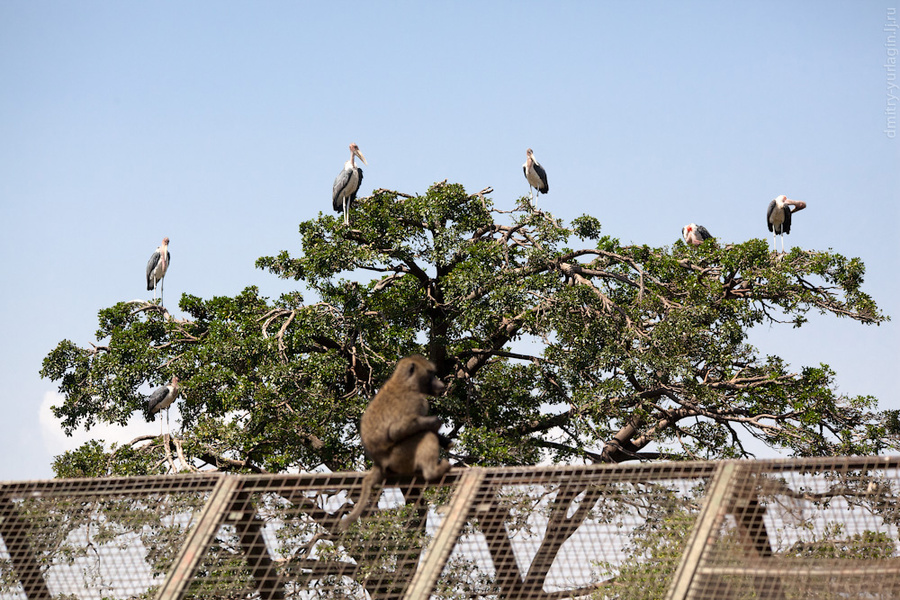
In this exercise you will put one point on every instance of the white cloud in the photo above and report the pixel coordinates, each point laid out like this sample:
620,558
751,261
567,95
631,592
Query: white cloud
56,441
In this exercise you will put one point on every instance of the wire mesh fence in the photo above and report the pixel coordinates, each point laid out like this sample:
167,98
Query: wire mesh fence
821,528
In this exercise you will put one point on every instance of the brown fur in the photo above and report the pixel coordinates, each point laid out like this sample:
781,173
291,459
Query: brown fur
397,432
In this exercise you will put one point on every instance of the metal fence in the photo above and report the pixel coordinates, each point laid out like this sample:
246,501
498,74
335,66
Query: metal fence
818,528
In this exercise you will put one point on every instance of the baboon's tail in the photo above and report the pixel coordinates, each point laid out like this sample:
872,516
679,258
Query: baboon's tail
373,477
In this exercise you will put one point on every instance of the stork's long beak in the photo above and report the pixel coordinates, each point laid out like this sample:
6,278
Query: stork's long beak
361,157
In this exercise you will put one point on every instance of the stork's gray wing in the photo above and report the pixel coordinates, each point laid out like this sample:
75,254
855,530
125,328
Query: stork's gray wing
151,265
155,399
703,232
358,184
769,212
340,184
543,176
786,226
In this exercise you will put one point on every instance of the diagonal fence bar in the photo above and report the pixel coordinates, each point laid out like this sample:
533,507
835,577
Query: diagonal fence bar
16,533
188,560
710,515
460,505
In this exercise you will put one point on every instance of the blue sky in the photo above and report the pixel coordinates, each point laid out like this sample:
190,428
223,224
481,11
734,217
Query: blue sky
222,125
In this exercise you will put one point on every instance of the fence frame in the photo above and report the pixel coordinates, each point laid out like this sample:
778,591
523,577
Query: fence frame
730,491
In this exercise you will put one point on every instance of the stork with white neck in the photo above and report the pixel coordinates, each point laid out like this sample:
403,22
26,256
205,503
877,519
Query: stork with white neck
535,174
157,267
347,183
162,398
778,218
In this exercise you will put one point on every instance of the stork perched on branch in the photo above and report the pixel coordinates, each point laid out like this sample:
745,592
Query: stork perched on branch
778,218
347,183
535,174
694,234
157,267
162,398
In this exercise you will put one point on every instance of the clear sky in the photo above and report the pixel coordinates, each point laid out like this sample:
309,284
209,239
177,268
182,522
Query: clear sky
223,124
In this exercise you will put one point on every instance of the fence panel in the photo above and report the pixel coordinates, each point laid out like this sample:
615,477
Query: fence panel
95,538
824,528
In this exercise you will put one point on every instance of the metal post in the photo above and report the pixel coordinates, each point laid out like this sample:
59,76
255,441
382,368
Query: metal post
198,539
713,508
448,533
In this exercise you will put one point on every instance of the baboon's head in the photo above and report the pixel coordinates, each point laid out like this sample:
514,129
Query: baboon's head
420,375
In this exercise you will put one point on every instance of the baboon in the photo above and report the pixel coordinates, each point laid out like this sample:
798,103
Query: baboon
397,432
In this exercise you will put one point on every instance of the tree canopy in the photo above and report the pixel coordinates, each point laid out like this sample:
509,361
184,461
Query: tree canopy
557,344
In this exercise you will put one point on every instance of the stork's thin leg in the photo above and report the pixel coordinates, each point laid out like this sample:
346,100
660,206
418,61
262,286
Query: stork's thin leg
162,290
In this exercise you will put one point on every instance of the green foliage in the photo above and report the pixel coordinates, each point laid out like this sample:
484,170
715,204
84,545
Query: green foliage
555,342
867,545
90,460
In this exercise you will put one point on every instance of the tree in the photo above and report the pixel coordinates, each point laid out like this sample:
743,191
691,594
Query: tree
594,351
556,343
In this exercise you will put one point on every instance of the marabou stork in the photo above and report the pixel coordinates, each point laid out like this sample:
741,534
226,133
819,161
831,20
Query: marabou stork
778,218
347,183
162,398
535,174
694,234
157,267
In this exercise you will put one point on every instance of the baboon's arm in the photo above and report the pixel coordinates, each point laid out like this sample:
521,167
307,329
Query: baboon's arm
408,427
